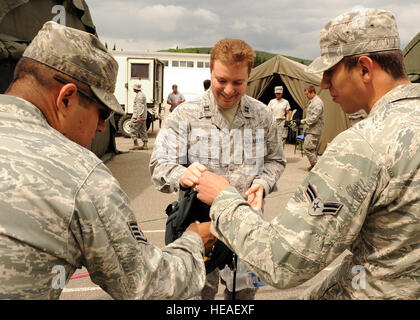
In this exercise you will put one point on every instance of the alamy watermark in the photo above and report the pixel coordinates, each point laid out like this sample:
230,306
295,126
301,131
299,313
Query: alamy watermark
359,280
60,15
58,281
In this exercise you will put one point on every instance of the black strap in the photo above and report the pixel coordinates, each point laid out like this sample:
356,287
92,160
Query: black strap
235,268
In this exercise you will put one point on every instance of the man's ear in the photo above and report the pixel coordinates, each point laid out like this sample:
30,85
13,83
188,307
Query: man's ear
365,65
66,99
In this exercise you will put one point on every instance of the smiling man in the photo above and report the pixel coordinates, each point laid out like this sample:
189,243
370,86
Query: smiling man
226,132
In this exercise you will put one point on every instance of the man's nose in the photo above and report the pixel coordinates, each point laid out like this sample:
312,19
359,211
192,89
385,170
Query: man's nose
229,89
325,82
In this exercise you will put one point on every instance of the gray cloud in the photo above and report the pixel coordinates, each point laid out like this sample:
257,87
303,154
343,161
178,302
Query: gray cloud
285,27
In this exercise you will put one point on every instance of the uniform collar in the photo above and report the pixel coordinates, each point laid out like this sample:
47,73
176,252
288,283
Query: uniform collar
22,107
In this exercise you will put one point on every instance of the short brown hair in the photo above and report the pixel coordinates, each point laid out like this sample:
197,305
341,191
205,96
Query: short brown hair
231,51
310,89
44,76
392,62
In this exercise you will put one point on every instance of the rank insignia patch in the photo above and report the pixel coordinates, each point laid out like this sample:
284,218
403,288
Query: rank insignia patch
136,232
317,207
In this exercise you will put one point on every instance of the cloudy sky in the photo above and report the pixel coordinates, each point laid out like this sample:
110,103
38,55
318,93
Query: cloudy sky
288,27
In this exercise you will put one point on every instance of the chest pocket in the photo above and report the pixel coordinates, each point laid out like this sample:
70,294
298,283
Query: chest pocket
221,149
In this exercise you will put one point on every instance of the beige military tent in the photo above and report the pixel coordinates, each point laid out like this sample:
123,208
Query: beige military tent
412,58
20,21
291,75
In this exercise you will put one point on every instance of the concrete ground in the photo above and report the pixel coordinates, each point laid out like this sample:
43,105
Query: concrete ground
131,170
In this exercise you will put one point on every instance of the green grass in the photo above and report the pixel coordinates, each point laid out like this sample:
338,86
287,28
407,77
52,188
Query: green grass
260,56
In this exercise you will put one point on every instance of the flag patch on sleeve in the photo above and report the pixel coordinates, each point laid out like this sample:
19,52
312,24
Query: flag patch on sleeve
318,207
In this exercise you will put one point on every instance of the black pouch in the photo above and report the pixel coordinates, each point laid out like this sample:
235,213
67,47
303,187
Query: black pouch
186,211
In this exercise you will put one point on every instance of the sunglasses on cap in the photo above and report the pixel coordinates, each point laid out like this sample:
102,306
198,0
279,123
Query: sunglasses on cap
104,113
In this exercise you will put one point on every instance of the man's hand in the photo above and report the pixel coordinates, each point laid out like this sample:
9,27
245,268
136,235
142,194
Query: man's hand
138,120
203,230
191,175
209,186
255,196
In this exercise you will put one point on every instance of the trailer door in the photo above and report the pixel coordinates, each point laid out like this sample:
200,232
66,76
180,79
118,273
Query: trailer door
139,70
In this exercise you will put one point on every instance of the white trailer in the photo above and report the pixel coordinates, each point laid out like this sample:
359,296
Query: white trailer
138,68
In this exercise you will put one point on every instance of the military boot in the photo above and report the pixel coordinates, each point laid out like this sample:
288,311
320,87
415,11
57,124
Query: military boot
135,146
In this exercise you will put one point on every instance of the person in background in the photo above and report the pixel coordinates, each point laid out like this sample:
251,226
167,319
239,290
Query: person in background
313,125
138,119
281,110
175,98
206,84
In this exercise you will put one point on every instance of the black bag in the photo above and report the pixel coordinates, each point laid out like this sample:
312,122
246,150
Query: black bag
186,211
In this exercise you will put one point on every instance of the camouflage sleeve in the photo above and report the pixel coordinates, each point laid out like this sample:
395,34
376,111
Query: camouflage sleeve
319,222
118,256
168,155
274,159
314,113
138,107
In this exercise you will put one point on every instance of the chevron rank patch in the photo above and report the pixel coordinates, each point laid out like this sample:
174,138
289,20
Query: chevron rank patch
318,207
136,232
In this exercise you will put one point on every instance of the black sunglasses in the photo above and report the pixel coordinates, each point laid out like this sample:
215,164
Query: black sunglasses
104,113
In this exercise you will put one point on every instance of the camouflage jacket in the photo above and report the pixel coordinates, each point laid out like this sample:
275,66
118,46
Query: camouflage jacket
139,106
61,209
362,195
314,121
197,132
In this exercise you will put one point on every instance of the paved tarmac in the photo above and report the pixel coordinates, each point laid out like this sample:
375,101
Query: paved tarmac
131,170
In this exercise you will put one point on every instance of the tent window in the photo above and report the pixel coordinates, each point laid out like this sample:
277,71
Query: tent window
140,70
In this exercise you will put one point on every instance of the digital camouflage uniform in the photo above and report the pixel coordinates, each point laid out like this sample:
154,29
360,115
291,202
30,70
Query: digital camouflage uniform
190,135
363,194
139,130
61,209
313,126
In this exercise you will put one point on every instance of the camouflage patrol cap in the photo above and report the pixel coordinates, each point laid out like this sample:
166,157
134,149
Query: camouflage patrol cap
278,89
79,55
356,32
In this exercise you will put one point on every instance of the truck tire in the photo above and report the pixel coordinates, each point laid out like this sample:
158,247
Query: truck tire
124,125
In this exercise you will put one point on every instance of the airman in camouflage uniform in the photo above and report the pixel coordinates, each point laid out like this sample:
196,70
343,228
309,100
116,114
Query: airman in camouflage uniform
245,147
313,125
138,119
61,209
363,193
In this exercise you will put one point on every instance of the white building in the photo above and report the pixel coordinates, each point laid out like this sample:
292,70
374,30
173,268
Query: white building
187,70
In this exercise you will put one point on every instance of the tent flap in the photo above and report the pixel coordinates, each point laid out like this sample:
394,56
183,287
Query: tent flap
295,80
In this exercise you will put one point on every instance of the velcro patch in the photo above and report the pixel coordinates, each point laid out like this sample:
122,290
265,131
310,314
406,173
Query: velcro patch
136,232
318,207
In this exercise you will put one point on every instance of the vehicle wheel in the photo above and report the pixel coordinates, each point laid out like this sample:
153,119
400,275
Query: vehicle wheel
124,125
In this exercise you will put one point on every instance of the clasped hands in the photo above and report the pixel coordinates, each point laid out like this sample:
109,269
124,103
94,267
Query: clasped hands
209,185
